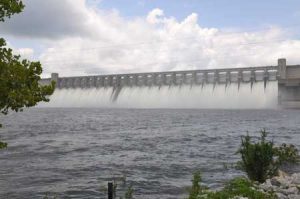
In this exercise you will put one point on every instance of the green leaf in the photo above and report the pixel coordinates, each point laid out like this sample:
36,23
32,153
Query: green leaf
19,78
10,7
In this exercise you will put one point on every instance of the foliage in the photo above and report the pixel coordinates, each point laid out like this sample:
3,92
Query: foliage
3,145
48,197
287,154
19,82
262,160
257,158
196,188
241,187
19,79
10,7
129,193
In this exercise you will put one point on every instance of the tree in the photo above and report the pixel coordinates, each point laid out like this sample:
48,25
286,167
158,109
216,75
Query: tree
19,78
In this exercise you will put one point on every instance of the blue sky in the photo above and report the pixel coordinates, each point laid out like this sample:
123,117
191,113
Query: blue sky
71,37
217,13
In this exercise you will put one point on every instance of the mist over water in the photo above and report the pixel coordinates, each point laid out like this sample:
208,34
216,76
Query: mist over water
184,96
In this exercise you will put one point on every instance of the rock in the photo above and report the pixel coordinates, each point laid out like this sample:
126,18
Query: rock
295,178
284,181
291,191
293,196
281,196
282,174
275,182
267,186
284,186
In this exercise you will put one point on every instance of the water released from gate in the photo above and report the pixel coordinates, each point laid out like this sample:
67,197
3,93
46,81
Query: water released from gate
186,96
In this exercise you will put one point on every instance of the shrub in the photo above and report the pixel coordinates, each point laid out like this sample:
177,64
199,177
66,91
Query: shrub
241,187
129,193
238,187
196,188
261,160
287,154
258,158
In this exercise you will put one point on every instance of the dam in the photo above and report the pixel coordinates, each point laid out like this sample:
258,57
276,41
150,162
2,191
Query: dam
287,78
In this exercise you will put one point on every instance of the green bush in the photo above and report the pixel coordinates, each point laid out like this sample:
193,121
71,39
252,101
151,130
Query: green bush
237,187
261,160
287,154
196,188
129,193
258,158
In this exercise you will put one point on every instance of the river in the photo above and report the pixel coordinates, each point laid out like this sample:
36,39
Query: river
74,152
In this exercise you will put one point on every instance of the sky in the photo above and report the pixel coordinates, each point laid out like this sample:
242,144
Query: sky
88,37
216,13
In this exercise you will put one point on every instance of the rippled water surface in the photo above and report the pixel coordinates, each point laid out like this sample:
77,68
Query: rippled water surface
72,153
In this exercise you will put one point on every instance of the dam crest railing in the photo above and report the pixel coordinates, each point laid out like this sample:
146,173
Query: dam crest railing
172,78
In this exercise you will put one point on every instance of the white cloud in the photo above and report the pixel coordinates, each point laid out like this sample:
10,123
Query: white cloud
83,39
51,19
155,16
26,53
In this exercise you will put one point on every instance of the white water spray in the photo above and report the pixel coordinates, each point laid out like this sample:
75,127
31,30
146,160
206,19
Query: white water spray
171,97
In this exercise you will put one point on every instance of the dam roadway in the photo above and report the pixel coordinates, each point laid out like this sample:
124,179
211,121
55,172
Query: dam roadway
287,76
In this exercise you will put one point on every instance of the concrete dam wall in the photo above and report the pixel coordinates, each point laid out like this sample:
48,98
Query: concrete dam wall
287,78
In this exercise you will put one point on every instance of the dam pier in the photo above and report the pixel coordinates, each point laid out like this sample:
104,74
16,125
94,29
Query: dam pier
287,76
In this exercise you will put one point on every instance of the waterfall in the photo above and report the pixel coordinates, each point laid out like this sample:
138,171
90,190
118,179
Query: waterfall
185,96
